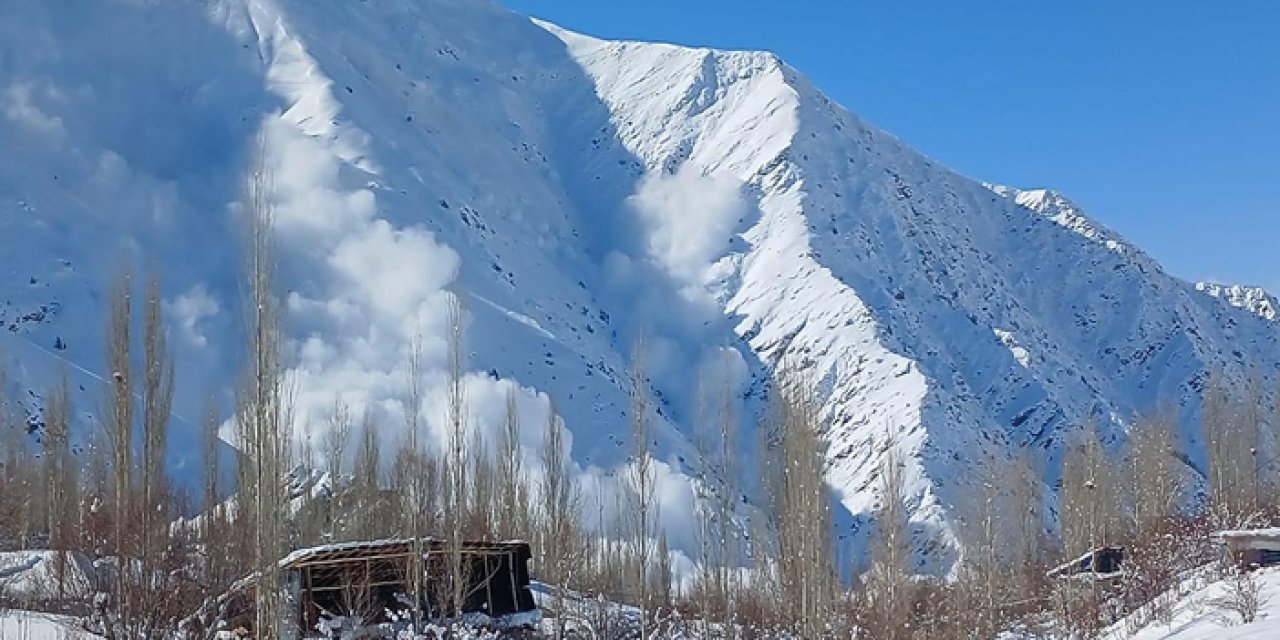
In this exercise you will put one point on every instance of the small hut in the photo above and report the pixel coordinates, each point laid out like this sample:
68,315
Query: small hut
1103,563
370,578
1251,547
371,581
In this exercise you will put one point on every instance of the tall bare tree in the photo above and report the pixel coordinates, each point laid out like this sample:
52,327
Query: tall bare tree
1154,476
337,437
60,480
157,402
119,424
641,491
481,512
889,589
456,459
1230,452
263,403
1090,501
414,488
804,517
367,514
559,536
513,494
1152,557
728,549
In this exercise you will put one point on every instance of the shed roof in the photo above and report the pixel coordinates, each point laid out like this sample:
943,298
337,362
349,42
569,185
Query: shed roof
343,551
1271,532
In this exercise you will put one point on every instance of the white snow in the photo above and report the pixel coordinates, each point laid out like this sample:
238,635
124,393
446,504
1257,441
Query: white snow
1198,615
1019,352
1255,300
29,625
33,576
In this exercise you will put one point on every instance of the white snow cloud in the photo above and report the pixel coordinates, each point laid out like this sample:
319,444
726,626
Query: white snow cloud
394,269
689,219
189,311
20,107
312,203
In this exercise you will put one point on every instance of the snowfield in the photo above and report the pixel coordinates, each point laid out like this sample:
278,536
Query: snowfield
27,625
576,193
1198,615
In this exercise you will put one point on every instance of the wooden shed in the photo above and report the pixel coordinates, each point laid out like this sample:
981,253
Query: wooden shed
367,579
1251,547
1103,563
370,581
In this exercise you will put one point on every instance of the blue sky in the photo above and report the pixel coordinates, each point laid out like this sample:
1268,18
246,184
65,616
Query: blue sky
1160,119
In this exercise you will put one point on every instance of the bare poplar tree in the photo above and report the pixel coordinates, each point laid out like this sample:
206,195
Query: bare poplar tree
715,435
1090,503
728,551
1153,474
1026,521
157,402
60,479
481,512
889,590
513,494
210,456
805,547
1228,442
640,477
1251,430
337,437
663,576
414,488
456,462
559,536
1152,556
221,559
119,424
17,478
13,476
705,509
1273,468
985,531
264,405
367,514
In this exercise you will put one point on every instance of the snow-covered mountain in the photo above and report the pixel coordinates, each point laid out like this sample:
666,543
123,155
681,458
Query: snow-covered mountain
576,193
1255,300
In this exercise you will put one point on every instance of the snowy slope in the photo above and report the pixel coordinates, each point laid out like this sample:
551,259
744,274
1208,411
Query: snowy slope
1199,614
28,625
576,193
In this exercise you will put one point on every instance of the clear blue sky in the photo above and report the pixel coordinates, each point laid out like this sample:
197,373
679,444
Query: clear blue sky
1159,118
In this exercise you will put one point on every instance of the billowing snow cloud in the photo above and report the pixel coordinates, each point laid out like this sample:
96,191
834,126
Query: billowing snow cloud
20,107
689,218
189,310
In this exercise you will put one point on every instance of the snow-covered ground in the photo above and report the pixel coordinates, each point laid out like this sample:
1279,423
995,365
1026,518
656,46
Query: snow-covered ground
33,576
1200,615
27,625
575,193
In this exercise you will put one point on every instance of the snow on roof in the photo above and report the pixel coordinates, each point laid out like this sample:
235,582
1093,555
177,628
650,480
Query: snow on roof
343,550
1234,534
1086,564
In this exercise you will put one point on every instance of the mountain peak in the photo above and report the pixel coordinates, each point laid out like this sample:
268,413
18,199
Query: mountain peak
1255,300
